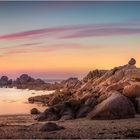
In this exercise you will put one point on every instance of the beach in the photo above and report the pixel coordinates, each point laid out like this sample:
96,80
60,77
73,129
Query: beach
24,126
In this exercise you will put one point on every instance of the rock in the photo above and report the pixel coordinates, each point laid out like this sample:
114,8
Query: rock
133,73
116,77
35,111
55,100
85,97
24,78
41,98
41,117
10,82
82,112
51,127
59,97
116,106
132,90
39,81
94,74
92,102
137,105
72,82
4,81
67,115
132,61
4,78
119,86
51,114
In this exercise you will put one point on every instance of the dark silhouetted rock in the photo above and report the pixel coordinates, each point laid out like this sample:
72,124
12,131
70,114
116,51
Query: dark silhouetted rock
137,104
4,81
49,114
68,114
82,112
51,127
24,78
41,117
35,111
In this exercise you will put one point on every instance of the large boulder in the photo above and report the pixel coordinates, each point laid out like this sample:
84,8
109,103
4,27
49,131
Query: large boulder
116,106
132,90
132,61
50,114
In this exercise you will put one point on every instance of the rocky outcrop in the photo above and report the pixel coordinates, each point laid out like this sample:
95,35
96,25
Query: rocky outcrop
92,75
106,95
71,84
101,94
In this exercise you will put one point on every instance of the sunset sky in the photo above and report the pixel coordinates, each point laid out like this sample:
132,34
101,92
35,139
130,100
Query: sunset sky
63,39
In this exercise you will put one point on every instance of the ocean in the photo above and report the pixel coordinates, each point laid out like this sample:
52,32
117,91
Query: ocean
15,101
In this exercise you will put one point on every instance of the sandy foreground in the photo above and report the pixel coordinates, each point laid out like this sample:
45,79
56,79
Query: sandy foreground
24,126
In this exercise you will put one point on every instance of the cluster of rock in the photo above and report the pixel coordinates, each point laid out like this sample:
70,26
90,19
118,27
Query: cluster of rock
4,81
112,94
69,86
27,82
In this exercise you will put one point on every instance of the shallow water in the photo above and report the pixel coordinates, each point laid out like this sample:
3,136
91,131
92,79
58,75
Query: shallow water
15,101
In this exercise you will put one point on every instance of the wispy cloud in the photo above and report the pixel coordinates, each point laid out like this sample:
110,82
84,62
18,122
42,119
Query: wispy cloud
40,48
103,32
77,31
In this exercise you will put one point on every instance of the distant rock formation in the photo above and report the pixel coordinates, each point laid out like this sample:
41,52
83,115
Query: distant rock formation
112,94
27,82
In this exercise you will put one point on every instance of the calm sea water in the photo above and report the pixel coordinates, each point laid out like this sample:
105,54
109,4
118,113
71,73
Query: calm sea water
15,101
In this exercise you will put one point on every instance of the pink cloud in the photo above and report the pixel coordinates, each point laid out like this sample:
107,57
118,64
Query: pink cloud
102,32
77,31
40,48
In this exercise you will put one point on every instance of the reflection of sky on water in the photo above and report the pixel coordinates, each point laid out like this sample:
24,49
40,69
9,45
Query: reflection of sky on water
15,101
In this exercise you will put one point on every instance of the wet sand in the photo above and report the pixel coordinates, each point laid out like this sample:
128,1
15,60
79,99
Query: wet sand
24,126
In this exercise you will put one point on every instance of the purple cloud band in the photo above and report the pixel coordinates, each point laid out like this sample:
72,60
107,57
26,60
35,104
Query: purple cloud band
39,48
77,31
